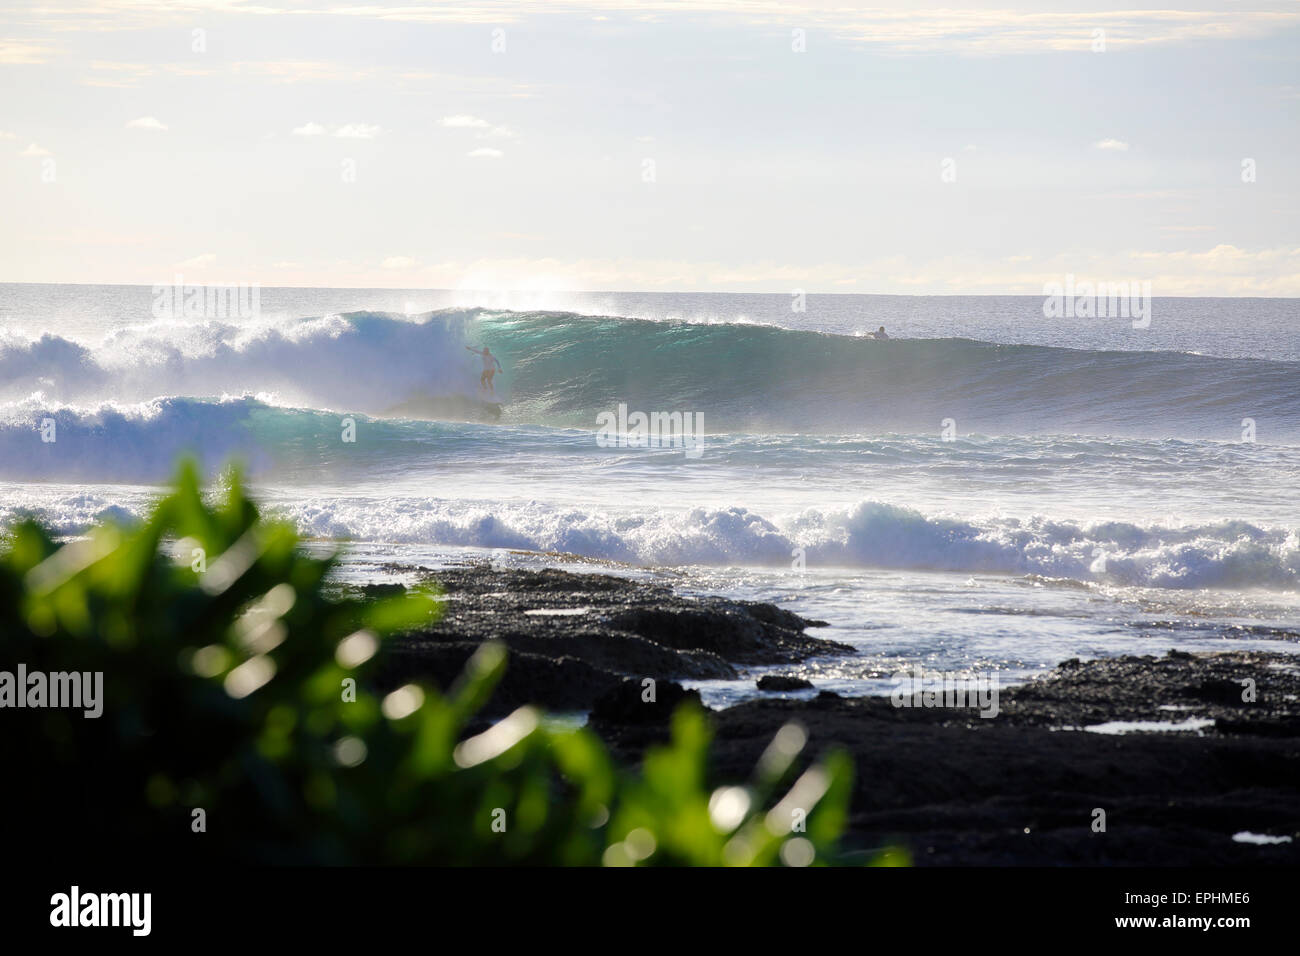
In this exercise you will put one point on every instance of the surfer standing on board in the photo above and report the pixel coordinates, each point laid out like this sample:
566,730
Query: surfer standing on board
489,360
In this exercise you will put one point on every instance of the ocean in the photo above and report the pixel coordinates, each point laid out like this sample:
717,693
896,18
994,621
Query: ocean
989,490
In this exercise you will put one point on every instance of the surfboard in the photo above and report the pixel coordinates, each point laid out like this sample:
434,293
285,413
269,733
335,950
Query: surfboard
454,408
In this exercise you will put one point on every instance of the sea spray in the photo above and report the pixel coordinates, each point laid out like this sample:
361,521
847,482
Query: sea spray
564,370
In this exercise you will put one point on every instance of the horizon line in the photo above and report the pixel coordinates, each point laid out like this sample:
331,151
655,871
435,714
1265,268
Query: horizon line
537,292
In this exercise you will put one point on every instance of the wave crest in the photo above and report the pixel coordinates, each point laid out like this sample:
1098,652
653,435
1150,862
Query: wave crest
564,369
871,534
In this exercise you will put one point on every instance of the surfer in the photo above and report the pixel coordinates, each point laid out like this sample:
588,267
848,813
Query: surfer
879,333
489,371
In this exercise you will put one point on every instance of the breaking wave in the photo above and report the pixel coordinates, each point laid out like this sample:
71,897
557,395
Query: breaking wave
564,369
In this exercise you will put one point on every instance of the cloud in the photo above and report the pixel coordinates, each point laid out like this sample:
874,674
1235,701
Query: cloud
485,152
464,121
888,25
14,52
116,74
5,134
34,150
397,262
357,131
347,131
146,122
123,74
302,71
1117,145
482,126
891,27
198,262
1009,31
1221,255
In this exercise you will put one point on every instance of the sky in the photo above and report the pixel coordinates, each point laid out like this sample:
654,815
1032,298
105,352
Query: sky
711,145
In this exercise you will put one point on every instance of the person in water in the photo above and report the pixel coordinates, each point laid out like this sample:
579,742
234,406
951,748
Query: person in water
491,365
879,333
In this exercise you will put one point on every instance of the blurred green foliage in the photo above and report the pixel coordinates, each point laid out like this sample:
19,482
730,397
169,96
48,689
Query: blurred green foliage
235,682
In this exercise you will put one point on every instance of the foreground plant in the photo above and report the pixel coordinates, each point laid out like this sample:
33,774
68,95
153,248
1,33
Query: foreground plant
237,723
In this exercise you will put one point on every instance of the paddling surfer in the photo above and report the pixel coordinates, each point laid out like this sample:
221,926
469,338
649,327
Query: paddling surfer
491,365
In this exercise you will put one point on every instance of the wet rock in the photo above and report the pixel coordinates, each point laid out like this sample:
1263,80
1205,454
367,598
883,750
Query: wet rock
1018,789
572,637
628,703
382,590
778,682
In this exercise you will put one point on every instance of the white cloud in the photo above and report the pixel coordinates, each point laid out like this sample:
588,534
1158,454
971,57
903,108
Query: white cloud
302,71
465,121
357,131
895,27
1117,145
5,134
485,152
482,126
347,131
397,262
14,52
147,122
198,262
118,75
34,150
890,25
1010,31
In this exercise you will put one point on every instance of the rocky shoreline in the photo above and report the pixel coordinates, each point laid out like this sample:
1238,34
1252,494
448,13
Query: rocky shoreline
1023,788
574,638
